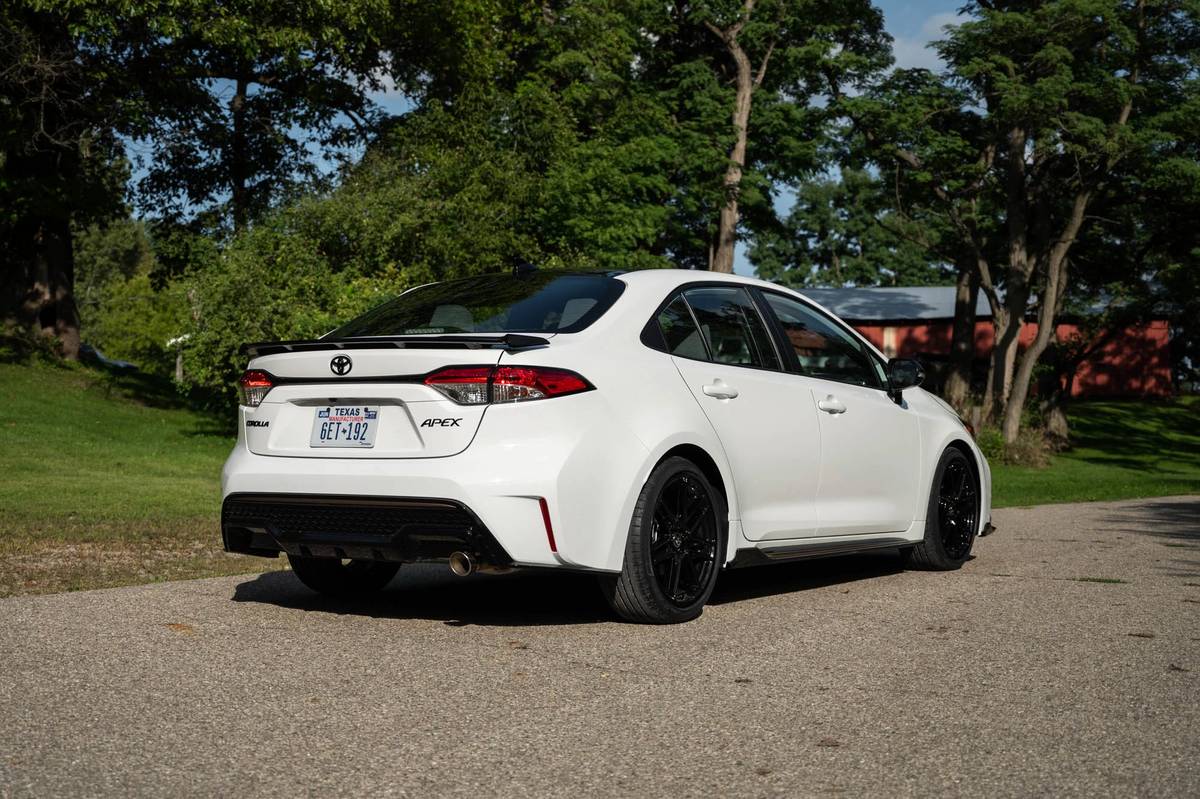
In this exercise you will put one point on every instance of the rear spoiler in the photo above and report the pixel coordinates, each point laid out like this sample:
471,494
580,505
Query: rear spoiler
504,341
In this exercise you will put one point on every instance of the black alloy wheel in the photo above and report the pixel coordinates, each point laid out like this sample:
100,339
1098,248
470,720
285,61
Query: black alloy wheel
958,509
952,516
675,548
683,540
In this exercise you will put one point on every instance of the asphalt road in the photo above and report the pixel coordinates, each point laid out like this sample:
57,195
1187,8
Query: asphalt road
1011,677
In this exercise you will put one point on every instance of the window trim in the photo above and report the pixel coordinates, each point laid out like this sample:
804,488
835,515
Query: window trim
794,361
656,341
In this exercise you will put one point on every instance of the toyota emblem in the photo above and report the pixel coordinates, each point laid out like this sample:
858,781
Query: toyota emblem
341,365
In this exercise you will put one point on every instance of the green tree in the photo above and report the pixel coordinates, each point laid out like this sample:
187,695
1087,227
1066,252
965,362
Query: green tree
1048,99
845,232
775,56
243,101
104,254
237,102
59,166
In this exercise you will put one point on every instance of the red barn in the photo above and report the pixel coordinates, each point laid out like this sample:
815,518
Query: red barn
911,322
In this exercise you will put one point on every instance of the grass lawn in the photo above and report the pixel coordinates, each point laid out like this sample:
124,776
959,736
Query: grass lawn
100,489
1121,450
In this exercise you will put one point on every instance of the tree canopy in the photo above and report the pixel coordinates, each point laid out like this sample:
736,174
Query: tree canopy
274,195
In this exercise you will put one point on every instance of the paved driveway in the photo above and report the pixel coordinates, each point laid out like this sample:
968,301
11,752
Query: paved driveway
1029,671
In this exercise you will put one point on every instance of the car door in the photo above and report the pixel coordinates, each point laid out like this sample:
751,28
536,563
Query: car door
722,348
870,445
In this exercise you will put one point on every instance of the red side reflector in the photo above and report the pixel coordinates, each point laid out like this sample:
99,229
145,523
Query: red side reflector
546,521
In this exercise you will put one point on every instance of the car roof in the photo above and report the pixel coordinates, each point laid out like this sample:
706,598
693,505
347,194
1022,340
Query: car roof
670,278
665,280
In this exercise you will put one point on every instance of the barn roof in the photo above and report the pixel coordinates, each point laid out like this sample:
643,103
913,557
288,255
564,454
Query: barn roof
894,304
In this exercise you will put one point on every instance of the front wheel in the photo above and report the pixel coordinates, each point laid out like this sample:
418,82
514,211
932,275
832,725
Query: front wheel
343,578
675,546
952,517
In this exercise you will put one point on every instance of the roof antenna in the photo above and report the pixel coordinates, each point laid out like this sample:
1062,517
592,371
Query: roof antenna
523,268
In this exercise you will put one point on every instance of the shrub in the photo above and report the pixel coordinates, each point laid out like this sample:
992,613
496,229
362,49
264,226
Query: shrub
1030,449
267,285
991,443
135,322
24,346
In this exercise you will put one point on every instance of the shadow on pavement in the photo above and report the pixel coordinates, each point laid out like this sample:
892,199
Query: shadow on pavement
532,598
803,575
1177,525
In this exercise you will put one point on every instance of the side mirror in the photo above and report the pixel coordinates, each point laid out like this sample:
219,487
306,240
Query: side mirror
903,373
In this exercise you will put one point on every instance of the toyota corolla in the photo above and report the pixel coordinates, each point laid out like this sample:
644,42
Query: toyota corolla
652,428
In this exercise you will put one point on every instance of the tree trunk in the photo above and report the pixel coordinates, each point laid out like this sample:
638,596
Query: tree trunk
1048,306
1006,326
962,343
746,80
238,157
59,314
1054,389
732,184
40,284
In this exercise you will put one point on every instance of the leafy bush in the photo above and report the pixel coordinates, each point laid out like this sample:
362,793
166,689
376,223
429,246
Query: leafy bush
266,286
991,443
135,322
24,346
1030,449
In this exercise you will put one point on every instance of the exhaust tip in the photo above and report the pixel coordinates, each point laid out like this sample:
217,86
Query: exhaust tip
461,564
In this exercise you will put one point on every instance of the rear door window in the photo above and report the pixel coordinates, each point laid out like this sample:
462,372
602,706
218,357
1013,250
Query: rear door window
679,331
731,327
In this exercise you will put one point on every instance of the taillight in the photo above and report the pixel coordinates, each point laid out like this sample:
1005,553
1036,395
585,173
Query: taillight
253,387
516,383
465,385
480,385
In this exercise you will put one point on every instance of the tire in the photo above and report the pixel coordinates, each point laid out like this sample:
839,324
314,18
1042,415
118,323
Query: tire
337,578
675,548
951,518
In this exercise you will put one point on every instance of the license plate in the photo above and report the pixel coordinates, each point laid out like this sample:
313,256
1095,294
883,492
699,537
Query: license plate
345,426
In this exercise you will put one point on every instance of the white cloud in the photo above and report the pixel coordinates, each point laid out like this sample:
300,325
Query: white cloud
913,52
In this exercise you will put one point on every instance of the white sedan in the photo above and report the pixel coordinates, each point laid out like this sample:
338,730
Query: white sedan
651,427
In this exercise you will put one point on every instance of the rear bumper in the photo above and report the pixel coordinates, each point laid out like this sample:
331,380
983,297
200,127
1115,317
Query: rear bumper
569,451
364,528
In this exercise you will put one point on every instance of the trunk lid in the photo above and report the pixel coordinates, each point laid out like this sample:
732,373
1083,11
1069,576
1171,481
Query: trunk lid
315,382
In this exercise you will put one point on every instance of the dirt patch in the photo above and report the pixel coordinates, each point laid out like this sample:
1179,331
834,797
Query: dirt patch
71,555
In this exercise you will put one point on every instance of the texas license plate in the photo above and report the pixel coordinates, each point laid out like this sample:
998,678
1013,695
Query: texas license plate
345,426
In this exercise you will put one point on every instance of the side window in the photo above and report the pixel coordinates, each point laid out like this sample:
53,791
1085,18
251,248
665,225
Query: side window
731,326
679,331
824,349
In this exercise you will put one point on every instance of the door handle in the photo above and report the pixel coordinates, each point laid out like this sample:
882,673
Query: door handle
720,389
831,404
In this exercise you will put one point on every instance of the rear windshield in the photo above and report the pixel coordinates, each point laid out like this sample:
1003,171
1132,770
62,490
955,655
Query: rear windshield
535,302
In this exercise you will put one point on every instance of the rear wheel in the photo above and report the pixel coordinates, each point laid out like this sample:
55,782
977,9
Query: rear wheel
952,517
343,578
673,554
